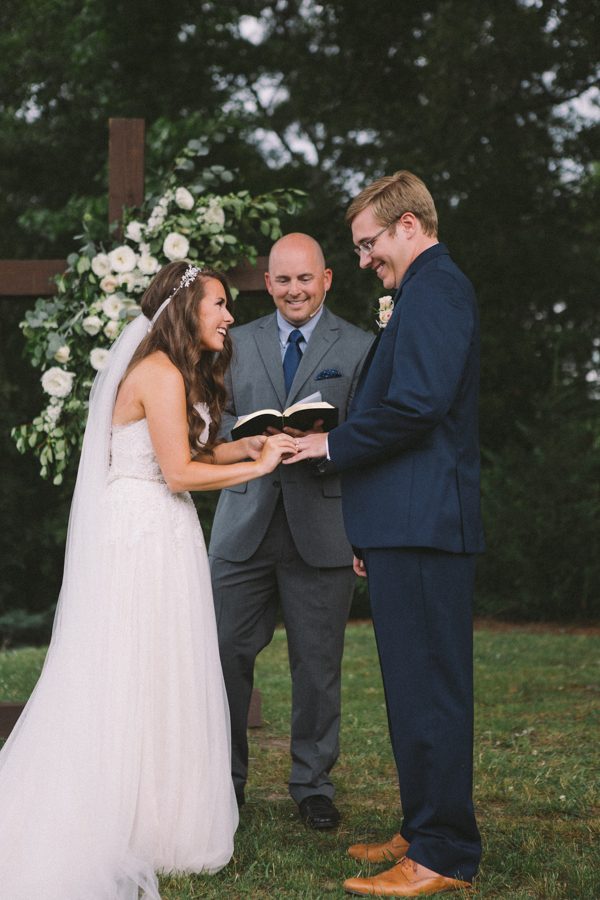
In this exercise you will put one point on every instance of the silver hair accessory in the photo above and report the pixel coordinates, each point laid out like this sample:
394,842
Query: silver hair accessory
188,277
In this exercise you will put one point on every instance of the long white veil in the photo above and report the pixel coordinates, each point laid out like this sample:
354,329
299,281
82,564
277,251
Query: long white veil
84,518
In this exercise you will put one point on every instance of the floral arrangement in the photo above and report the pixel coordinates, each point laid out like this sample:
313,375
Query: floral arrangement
386,308
68,336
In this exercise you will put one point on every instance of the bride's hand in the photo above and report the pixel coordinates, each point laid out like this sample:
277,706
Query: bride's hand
253,446
276,448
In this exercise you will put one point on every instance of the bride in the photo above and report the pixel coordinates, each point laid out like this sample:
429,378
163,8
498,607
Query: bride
119,767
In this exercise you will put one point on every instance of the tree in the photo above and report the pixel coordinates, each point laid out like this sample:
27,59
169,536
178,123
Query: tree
480,99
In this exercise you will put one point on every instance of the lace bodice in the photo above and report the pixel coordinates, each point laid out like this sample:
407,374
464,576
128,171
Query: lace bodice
132,453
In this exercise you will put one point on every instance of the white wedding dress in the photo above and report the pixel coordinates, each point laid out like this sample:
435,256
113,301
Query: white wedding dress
120,765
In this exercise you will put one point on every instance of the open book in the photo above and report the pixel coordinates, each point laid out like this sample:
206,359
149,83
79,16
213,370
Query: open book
301,415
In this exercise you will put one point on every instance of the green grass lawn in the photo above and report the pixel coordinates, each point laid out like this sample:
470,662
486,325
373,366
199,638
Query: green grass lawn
536,773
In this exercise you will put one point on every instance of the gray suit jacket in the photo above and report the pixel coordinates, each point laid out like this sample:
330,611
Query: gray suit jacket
312,501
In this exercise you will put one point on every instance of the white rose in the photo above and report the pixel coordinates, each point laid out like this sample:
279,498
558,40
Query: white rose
214,215
57,382
144,249
98,358
183,198
109,284
127,280
101,265
122,259
111,329
148,265
91,324
62,354
176,246
112,306
384,302
134,231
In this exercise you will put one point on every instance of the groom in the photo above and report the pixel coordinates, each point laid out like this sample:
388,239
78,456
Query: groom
409,459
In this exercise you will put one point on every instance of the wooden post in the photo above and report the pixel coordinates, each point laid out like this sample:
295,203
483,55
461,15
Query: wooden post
125,167
29,277
9,713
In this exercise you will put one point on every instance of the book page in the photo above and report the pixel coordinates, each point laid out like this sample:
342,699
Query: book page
258,412
317,397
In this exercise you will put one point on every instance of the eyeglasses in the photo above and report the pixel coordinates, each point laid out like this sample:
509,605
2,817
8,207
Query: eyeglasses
366,247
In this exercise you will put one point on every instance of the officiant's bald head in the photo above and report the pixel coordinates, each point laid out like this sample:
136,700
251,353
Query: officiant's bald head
298,279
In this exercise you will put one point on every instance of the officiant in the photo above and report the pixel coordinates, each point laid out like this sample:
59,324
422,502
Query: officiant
279,542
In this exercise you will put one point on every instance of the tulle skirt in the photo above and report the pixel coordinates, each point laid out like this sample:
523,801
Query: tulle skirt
120,765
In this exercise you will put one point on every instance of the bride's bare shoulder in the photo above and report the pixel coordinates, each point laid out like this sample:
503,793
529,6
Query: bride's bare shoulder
157,366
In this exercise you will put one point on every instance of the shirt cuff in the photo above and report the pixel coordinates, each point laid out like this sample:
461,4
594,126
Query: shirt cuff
327,448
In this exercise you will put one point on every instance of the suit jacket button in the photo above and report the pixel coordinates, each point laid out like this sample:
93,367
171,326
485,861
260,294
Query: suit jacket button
276,483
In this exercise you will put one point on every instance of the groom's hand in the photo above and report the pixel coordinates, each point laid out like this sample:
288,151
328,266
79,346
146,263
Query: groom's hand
309,446
317,428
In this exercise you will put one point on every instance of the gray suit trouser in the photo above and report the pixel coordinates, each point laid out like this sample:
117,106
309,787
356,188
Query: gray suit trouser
315,603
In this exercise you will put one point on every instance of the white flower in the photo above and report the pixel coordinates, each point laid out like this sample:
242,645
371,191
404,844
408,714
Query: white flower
127,280
98,358
214,214
112,306
183,198
91,324
52,412
148,265
62,354
109,284
175,246
111,329
122,259
141,283
57,383
101,265
157,217
134,231
386,308
166,198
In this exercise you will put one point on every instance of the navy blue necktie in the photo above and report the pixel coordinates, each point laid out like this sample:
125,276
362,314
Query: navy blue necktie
292,357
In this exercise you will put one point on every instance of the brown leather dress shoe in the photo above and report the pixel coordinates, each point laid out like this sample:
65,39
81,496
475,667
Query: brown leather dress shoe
406,879
391,850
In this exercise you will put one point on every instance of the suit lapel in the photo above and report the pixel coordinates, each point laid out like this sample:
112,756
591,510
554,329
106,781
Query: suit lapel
267,342
365,369
324,336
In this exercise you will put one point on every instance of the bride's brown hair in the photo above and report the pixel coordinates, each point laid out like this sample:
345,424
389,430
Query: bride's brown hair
176,333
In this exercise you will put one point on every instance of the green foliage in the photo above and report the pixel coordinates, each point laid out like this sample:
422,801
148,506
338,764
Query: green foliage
486,101
34,513
535,792
541,499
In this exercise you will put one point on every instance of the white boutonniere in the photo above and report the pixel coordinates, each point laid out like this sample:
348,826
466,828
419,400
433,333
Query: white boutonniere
386,308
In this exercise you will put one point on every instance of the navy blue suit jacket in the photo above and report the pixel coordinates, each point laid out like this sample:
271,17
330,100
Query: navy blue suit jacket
409,450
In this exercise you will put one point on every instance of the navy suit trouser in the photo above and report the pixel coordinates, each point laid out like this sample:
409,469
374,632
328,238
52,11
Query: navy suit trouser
421,603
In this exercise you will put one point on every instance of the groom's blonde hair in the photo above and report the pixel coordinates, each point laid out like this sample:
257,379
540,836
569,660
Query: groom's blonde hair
392,196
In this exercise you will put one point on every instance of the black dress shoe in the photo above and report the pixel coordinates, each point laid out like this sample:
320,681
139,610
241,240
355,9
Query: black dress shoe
317,811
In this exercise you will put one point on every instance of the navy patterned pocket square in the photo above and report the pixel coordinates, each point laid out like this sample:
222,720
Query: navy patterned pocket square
328,373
